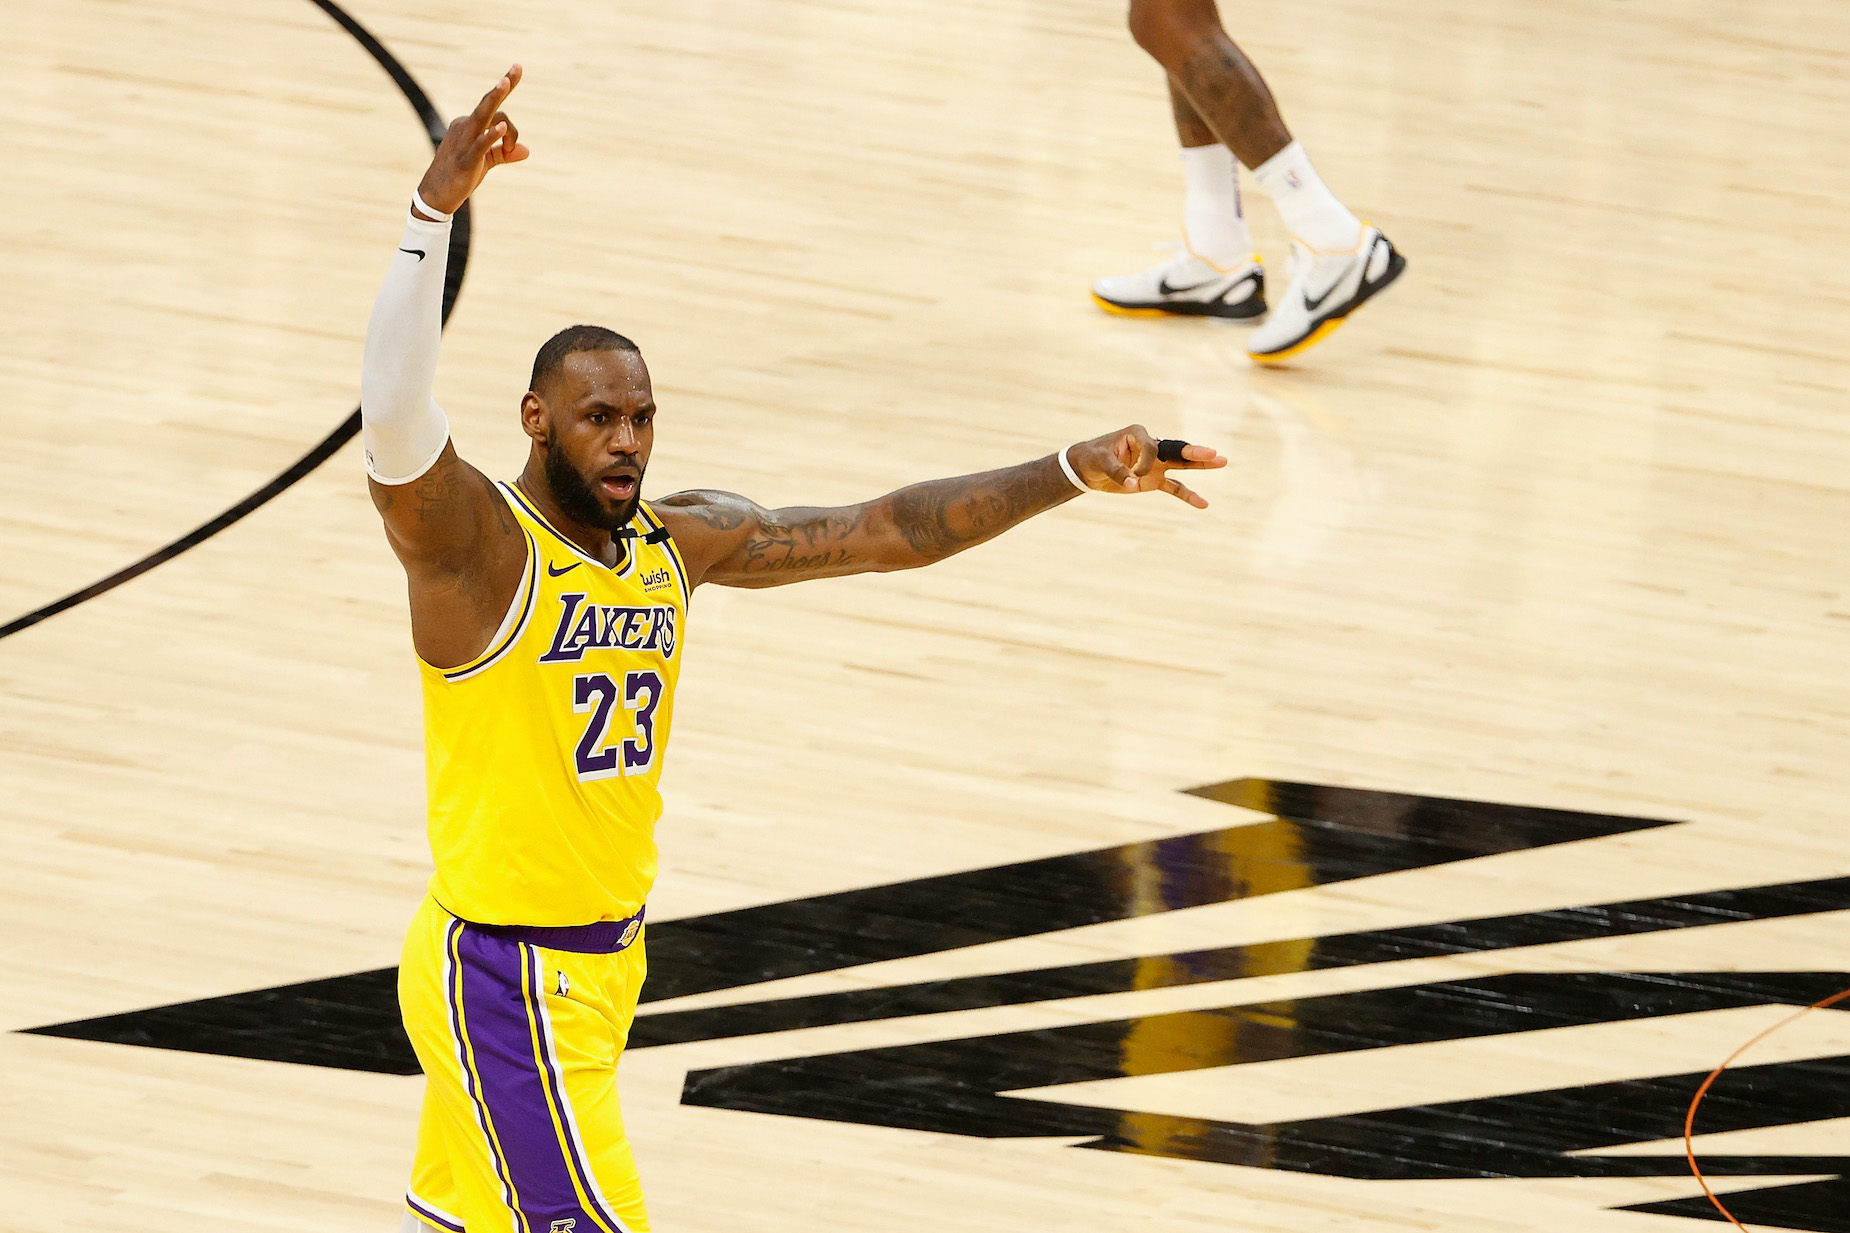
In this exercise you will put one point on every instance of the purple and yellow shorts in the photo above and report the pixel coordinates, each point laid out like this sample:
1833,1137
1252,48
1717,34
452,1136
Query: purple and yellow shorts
519,1031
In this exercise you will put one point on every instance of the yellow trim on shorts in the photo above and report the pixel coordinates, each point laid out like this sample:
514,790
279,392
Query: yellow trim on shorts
542,1060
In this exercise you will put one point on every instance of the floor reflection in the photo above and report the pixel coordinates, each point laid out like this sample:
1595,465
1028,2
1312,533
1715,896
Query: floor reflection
1314,835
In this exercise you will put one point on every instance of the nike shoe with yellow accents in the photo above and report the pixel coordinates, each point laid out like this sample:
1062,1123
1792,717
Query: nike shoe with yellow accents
1325,288
1186,286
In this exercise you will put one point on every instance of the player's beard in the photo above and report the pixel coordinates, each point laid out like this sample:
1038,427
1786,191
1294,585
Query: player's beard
578,498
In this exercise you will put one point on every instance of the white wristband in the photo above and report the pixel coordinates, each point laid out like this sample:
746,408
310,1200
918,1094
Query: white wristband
417,199
1066,465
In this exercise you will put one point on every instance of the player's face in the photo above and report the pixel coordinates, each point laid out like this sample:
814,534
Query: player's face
598,414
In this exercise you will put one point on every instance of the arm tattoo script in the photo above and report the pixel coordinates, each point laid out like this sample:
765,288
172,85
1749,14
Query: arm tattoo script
753,546
759,547
946,516
806,545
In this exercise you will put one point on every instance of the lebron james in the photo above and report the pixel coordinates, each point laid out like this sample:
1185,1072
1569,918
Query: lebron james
548,615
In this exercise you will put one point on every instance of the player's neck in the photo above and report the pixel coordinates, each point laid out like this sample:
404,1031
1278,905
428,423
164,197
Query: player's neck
594,542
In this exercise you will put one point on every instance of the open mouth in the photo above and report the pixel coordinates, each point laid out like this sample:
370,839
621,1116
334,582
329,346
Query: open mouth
622,487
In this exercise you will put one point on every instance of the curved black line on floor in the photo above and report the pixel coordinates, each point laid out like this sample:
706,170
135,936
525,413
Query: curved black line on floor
325,449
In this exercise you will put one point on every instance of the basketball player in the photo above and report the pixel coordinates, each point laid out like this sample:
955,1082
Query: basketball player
1223,111
548,616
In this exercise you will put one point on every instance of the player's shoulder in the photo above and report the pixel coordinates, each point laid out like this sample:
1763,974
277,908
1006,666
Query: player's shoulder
707,508
707,525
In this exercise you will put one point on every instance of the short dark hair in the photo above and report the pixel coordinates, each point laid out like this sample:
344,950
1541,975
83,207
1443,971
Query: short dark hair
571,340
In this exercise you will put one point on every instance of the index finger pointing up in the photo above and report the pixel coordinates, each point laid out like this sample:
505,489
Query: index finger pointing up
491,102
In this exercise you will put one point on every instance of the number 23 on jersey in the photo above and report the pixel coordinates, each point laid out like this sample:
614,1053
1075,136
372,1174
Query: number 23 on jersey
597,694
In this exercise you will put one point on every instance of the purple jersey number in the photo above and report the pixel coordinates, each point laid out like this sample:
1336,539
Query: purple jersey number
642,692
598,694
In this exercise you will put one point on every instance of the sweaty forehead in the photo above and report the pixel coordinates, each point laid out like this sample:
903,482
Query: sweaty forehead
609,376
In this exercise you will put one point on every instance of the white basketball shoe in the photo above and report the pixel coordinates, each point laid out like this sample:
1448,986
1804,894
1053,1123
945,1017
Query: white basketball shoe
1186,286
1324,289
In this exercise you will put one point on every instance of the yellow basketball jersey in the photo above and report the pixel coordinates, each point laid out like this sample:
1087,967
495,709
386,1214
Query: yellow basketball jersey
544,753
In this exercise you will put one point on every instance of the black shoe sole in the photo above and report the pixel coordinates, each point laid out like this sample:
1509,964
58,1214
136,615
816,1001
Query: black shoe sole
1396,265
1326,325
1245,310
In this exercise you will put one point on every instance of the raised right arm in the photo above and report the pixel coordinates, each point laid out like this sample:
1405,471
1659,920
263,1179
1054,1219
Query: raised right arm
462,550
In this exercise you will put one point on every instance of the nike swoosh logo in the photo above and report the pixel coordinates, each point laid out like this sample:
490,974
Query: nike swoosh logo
415,252
560,573
1314,305
1163,287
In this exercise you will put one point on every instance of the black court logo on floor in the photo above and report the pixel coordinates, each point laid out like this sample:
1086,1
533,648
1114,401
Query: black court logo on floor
1316,836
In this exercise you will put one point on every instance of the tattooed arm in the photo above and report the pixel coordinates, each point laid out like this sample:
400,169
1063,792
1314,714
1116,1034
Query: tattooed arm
731,541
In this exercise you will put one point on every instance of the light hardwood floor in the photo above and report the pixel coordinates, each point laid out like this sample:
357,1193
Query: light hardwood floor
1560,520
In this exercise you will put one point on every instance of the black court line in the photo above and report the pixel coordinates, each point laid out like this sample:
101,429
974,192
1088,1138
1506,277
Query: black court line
452,284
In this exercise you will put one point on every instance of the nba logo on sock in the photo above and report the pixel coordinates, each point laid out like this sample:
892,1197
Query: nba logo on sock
1291,178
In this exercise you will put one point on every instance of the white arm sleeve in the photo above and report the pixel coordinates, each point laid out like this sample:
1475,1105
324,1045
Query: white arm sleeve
401,425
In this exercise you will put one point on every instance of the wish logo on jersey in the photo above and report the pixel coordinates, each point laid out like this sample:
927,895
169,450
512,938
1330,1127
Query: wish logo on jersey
608,627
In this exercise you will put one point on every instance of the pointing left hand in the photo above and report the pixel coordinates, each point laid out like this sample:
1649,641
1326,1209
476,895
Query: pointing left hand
1126,461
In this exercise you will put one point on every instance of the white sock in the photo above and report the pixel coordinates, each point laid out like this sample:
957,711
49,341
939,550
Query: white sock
1212,225
1312,214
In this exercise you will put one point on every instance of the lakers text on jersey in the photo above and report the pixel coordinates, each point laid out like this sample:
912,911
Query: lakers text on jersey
544,754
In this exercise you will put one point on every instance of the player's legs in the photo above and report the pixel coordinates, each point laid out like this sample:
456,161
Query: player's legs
519,1045
1192,132
1213,218
1227,97
589,1025
1215,274
1339,262
1226,94
434,1196
446,1131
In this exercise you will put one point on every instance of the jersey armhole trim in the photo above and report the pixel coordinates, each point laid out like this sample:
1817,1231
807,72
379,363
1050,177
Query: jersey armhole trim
675,562
513,625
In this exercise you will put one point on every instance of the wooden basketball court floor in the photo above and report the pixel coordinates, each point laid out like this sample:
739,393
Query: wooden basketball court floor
1558,523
